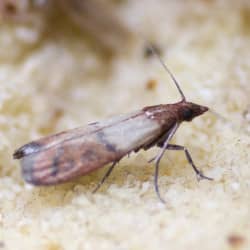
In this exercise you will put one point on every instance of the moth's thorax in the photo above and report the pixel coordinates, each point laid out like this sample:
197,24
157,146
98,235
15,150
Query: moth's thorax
165,114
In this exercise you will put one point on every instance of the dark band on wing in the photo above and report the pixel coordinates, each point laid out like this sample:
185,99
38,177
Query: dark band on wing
101,137
56,161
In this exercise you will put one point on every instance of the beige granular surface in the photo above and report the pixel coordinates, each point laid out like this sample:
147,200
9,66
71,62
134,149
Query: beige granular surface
52,80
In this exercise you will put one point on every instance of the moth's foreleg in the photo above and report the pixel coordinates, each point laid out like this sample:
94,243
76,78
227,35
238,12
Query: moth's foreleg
107,174
157,165
189,158
167,138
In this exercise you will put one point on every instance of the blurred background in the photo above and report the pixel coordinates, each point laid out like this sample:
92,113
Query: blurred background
65,63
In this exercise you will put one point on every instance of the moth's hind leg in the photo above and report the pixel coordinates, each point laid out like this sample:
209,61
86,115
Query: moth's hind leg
189,158
107,174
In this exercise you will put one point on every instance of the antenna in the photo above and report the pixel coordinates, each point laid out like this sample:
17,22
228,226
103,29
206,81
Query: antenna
151,46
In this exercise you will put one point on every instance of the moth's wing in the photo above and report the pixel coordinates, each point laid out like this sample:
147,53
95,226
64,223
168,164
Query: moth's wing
61,157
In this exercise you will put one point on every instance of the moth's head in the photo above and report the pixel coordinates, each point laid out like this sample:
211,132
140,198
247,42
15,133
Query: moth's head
188,110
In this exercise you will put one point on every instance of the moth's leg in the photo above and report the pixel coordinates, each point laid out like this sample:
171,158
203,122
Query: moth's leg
189,158
157,164
158,159
107,174
159,141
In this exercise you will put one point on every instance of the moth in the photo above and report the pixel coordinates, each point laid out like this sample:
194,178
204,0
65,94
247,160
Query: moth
63,156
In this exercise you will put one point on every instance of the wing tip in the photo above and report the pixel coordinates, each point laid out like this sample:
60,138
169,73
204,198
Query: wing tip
26,150
18,154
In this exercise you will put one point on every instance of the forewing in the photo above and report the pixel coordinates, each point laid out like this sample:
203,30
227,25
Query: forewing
61,157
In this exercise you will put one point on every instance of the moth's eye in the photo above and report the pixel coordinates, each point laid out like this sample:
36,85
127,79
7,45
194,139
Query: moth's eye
187,114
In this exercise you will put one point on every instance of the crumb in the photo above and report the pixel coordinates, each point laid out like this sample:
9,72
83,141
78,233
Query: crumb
235,240
151,84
